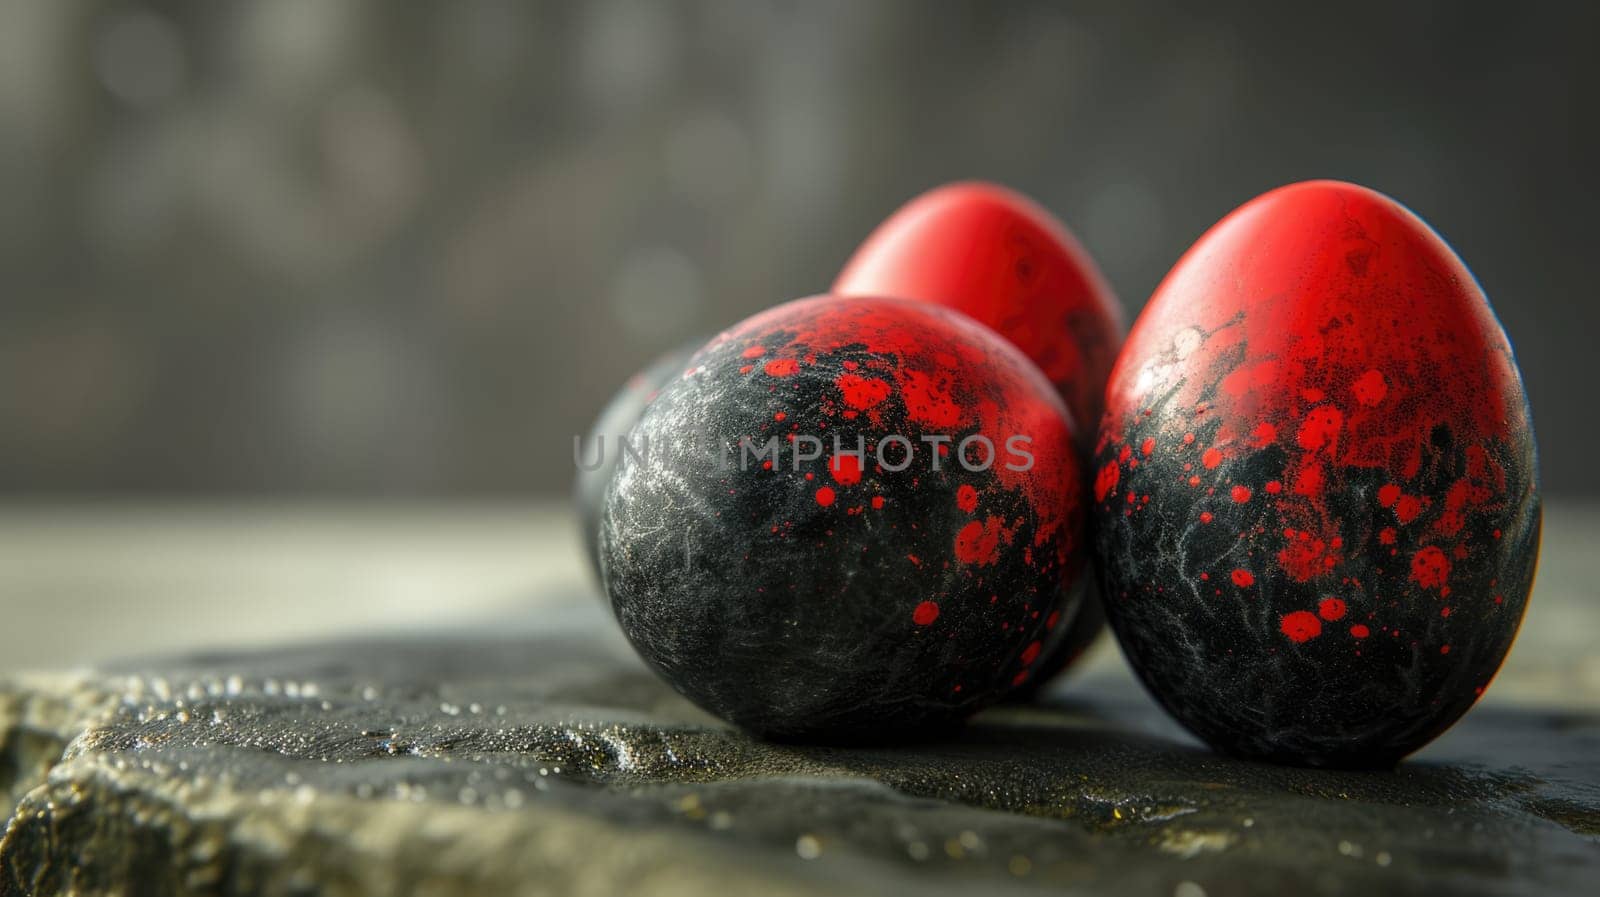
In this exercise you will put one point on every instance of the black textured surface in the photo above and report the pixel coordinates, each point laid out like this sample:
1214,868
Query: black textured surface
604,445
472,763
1085,630
1219,654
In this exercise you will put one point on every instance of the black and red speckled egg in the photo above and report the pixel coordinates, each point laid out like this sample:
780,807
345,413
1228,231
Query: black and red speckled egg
1005,261
856,519
599,451
1315,497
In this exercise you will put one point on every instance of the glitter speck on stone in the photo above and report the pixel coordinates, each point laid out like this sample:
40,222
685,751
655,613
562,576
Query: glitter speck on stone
808,847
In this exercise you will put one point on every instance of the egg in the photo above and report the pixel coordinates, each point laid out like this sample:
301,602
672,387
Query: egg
1315,498
854,519
597,455
1000,258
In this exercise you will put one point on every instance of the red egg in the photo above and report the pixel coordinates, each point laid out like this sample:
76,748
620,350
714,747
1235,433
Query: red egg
1316,496
1000,258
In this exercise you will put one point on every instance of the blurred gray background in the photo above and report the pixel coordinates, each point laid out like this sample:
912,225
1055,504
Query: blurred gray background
382,249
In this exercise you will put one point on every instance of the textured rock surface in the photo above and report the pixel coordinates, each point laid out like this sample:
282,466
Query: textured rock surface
554,763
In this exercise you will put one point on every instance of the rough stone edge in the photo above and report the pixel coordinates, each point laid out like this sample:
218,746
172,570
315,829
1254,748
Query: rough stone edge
203,838
40,716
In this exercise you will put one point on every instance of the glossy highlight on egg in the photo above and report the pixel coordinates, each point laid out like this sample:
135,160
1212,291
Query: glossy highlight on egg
1315,494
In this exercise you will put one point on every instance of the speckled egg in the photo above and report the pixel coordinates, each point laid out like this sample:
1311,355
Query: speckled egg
1316,503
598,453
999,257
856,519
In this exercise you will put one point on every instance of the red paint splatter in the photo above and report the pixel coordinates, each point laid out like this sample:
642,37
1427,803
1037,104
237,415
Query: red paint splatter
861,392
1105,483
846,469
967,498
1388,495
912,346
1430,568
1243,578
1386,535
1309,481
1300,626
1370,388
1360,630
1148,446
781,367
928,400
1241,494
1205,517
1407,508
1444,649
1320,429
753,352
1030,653
1306,557
1331,609
825,496
877,502
925,613
979,543
1274,487
1211,458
